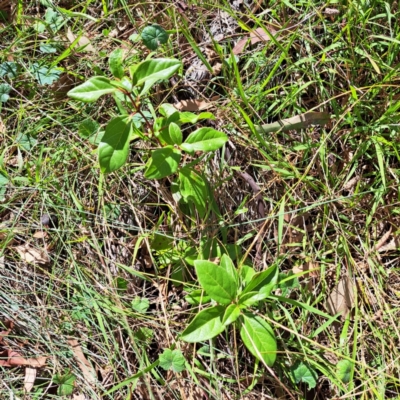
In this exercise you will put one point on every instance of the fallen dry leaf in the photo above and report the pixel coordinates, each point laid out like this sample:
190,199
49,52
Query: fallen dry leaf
32,255
29,380
78,397
10,358
341,299
40,235
83,42
259,35
88,371
196,104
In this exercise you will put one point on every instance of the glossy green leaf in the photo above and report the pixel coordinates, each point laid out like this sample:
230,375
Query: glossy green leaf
115,63
45,75
198,296
205,325
247,273
218,283
232,313
175,133
187,117
163,162
266,279
8,69
148,72
193,187
204,139
114,145
87,128
227,264
92,89
259,338
5,89
172,360
153,36
251,298
66,383
304,373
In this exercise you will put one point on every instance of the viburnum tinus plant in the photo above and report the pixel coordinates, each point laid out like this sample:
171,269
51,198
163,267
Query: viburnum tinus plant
137,120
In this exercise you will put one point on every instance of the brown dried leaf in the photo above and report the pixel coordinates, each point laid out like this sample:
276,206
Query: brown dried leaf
2,126
83,42
32,255
341,299
40,235
88,371
78,397
10,358
259,35
196,104
29,381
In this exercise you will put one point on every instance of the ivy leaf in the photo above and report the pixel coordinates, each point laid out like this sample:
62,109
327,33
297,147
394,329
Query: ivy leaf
45,75
163,162
5,89
172,360
153,36
66,383
304,373
141,305
344,369
8,69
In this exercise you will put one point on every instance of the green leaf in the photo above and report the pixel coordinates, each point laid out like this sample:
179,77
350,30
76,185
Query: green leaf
8,69
3,186
163,162
247,274
344,370
205,325
115,63
153,36
172,360
259,338
251,298
45,75
54,19
87,128
114,145
5,89
148,72
175,133
232,313
227,264
167,110
141,305
216,281
304,373
265,280
193,187
121,284
47,49
26,141
196,297
204,139
92,89
187,117
66,384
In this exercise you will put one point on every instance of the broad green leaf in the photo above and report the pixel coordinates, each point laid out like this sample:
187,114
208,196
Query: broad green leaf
205,325
187,117
87,128
227,264
196,297
153,36
114,145
167,110
92,89
251,298
232,313
259,338
3,186
204,139
247,274
193,187
216,281
304,373
172,360
266,279
175,133
47,49
163,162
344,369
148,72
115,63
66,383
